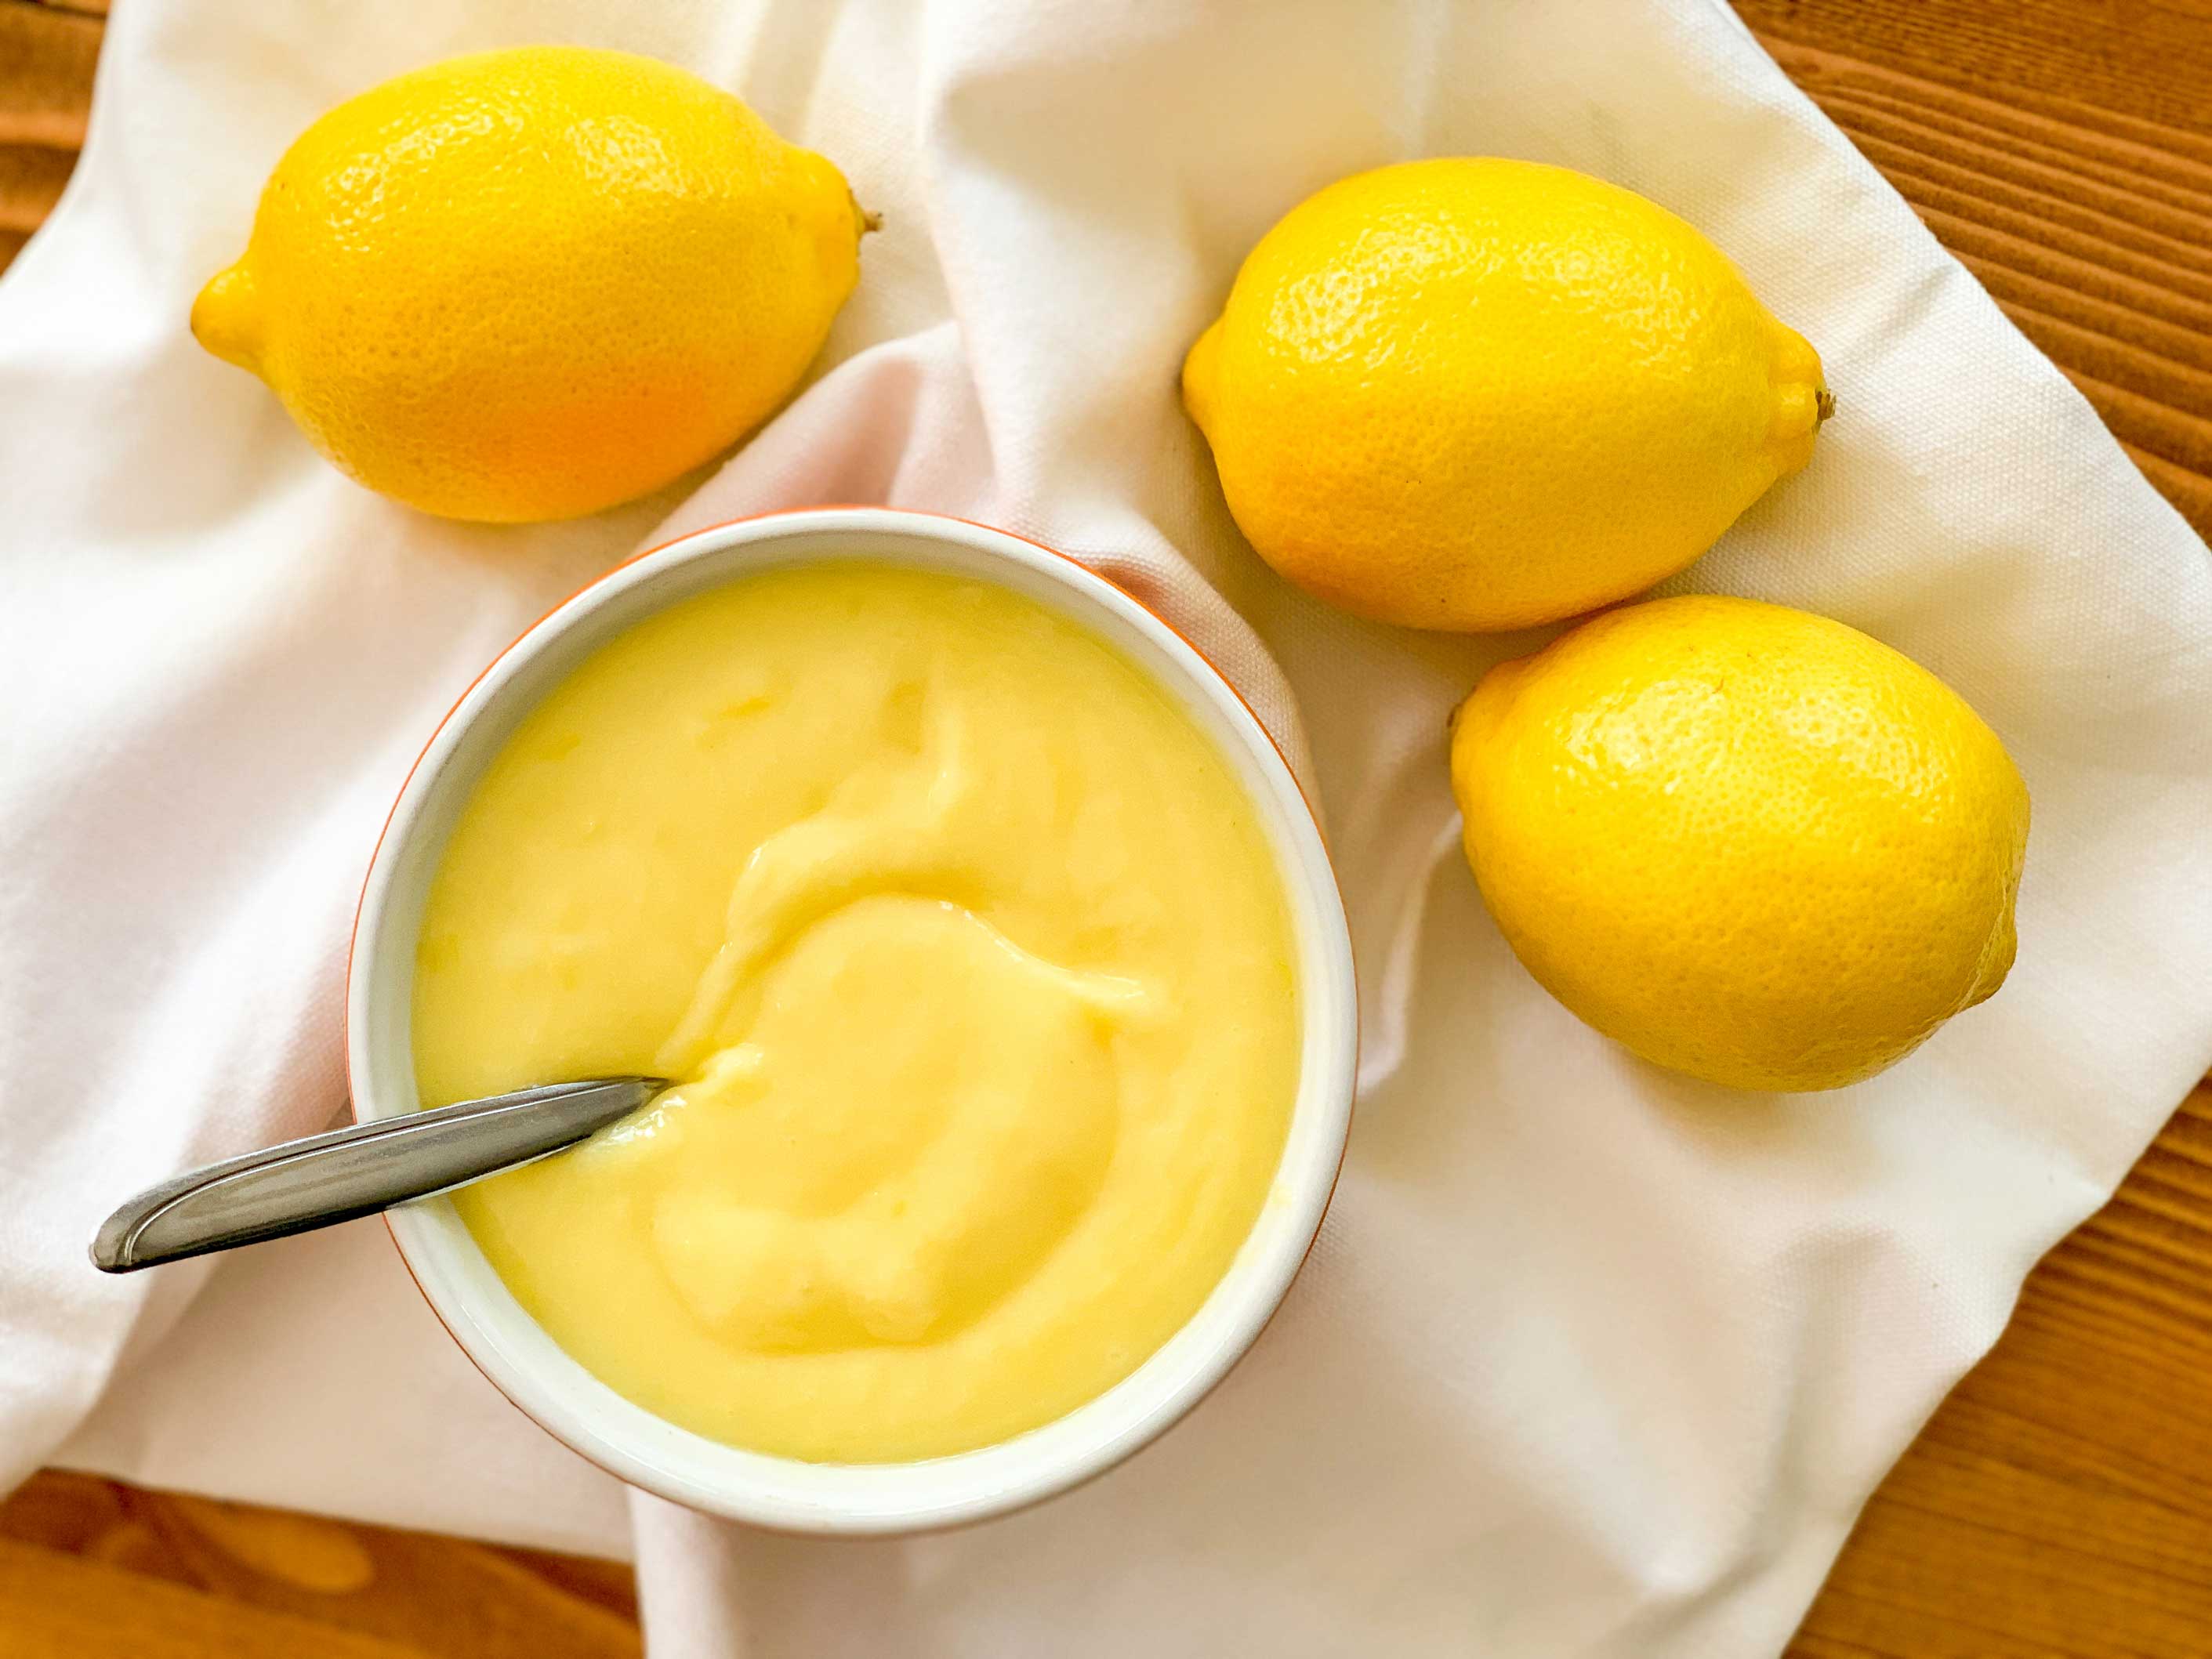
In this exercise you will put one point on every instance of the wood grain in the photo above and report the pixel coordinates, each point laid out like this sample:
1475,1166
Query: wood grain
46,59
2065,156
2059,1506
90,1568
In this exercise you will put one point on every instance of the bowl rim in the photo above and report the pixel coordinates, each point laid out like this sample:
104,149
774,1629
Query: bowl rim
628,1440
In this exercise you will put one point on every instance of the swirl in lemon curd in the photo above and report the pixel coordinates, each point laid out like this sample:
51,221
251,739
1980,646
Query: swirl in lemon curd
973,966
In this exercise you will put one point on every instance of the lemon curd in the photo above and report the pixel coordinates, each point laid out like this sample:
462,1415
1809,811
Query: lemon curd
974,970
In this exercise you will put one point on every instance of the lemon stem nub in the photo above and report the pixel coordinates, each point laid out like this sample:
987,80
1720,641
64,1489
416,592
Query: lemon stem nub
1824,405
227,318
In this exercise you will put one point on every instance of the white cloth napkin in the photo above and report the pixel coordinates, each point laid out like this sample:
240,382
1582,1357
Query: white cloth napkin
1591,1360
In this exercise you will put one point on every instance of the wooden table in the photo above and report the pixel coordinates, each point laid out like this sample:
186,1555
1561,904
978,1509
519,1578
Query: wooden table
2059,1506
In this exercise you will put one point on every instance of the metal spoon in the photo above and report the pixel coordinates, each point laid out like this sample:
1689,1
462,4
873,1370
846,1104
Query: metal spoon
301,1185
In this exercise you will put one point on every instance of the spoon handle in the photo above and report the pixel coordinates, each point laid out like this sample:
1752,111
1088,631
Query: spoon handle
304,1184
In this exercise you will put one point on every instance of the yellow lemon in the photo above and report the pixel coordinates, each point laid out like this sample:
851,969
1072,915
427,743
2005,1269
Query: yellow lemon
1750,844
1476,393
532,283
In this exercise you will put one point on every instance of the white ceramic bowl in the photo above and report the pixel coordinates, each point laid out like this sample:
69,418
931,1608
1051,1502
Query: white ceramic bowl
511,1348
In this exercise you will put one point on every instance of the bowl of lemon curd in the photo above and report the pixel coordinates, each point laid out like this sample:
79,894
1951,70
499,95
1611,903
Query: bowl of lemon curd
1001,982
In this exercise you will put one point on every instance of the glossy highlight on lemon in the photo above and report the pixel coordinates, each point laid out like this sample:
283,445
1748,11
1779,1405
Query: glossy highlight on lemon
532,284
1473,393
974,966
1751,844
